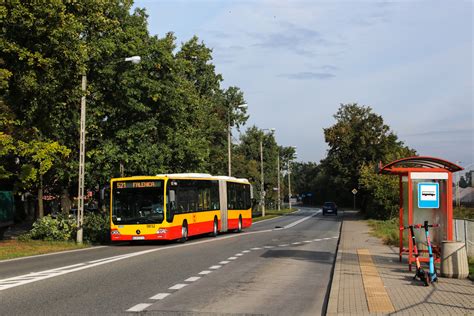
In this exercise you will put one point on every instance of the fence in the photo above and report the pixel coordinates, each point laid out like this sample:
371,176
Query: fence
464,231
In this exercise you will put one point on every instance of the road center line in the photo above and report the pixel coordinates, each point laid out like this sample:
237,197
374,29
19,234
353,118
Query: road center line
178,286
215,267
138,307
159,296
204,272
192,279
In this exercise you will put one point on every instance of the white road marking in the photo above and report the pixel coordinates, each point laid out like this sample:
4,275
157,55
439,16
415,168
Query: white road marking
231,258
265,220
215,267
204,272
138,308
178,286
296,243
192,279
297,222
255,248
246,251
284,245
224,262
317,239
308,241
269,247
239,254
159,296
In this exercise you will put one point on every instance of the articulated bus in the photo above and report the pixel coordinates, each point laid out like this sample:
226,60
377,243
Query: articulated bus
176,206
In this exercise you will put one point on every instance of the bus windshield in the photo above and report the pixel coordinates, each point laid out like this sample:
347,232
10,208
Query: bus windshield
137,202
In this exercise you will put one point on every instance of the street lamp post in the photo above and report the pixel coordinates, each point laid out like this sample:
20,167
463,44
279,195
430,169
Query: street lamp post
262,182
289,181
289,185
278,179
229,135
82,152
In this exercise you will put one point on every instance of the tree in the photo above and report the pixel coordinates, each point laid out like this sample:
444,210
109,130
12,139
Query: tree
358,137
167,114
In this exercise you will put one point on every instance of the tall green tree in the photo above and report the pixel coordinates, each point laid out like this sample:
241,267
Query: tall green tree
357,142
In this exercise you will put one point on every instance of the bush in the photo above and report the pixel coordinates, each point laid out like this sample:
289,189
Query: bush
52,229
96,227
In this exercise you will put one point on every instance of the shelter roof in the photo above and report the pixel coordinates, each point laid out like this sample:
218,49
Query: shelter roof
417,163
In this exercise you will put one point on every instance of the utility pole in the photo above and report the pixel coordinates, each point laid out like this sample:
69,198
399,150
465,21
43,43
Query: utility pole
229,135
262,185
278,177
262,188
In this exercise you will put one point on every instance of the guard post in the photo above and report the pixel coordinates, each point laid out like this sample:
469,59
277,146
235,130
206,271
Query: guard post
426,194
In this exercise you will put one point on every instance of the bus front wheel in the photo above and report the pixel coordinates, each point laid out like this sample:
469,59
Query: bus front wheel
184,232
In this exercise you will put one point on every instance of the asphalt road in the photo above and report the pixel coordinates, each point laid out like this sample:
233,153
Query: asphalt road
277,267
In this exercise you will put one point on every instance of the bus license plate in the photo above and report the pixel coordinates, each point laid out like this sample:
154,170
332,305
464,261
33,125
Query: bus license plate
138,237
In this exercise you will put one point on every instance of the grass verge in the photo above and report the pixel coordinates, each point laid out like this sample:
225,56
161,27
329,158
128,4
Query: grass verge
273,213
10,249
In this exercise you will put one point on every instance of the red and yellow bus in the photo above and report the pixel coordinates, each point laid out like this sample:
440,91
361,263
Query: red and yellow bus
176,206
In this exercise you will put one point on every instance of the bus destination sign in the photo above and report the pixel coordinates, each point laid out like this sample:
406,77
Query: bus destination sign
138,184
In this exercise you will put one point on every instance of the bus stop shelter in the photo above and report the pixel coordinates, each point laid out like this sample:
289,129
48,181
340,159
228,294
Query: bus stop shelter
425,195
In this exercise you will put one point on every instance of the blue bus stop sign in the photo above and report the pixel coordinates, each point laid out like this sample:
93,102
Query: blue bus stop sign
428,195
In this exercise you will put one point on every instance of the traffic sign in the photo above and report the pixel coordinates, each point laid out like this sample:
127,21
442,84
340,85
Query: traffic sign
428,195
354,191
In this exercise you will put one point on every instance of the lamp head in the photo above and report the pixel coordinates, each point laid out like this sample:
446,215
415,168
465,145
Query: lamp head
134,59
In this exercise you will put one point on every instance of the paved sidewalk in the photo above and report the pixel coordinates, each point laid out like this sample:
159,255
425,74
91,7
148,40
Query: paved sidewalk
408,297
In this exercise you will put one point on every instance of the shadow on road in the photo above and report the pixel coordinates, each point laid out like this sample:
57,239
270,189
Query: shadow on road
305,255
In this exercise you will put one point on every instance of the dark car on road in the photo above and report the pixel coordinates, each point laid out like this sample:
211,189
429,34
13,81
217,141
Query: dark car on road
329,208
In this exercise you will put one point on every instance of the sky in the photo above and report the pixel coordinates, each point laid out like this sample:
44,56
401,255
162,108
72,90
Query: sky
297,61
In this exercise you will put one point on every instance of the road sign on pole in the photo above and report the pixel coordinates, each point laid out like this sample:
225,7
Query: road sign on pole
354,192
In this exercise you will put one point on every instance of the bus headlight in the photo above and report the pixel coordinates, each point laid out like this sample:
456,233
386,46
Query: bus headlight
161,231
115,232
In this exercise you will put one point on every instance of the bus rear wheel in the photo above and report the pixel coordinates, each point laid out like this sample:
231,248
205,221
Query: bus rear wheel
184,233
215,228
239,228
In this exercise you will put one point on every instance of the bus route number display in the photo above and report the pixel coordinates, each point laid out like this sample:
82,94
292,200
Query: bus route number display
138,184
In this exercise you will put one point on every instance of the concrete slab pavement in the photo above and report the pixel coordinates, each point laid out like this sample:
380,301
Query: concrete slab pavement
408,297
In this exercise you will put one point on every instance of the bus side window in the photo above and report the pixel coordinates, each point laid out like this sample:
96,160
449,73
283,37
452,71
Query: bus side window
171,209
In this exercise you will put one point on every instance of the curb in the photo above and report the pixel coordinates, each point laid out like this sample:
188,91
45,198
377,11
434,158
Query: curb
333,290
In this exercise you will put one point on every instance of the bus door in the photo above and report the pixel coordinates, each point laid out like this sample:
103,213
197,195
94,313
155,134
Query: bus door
223,202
